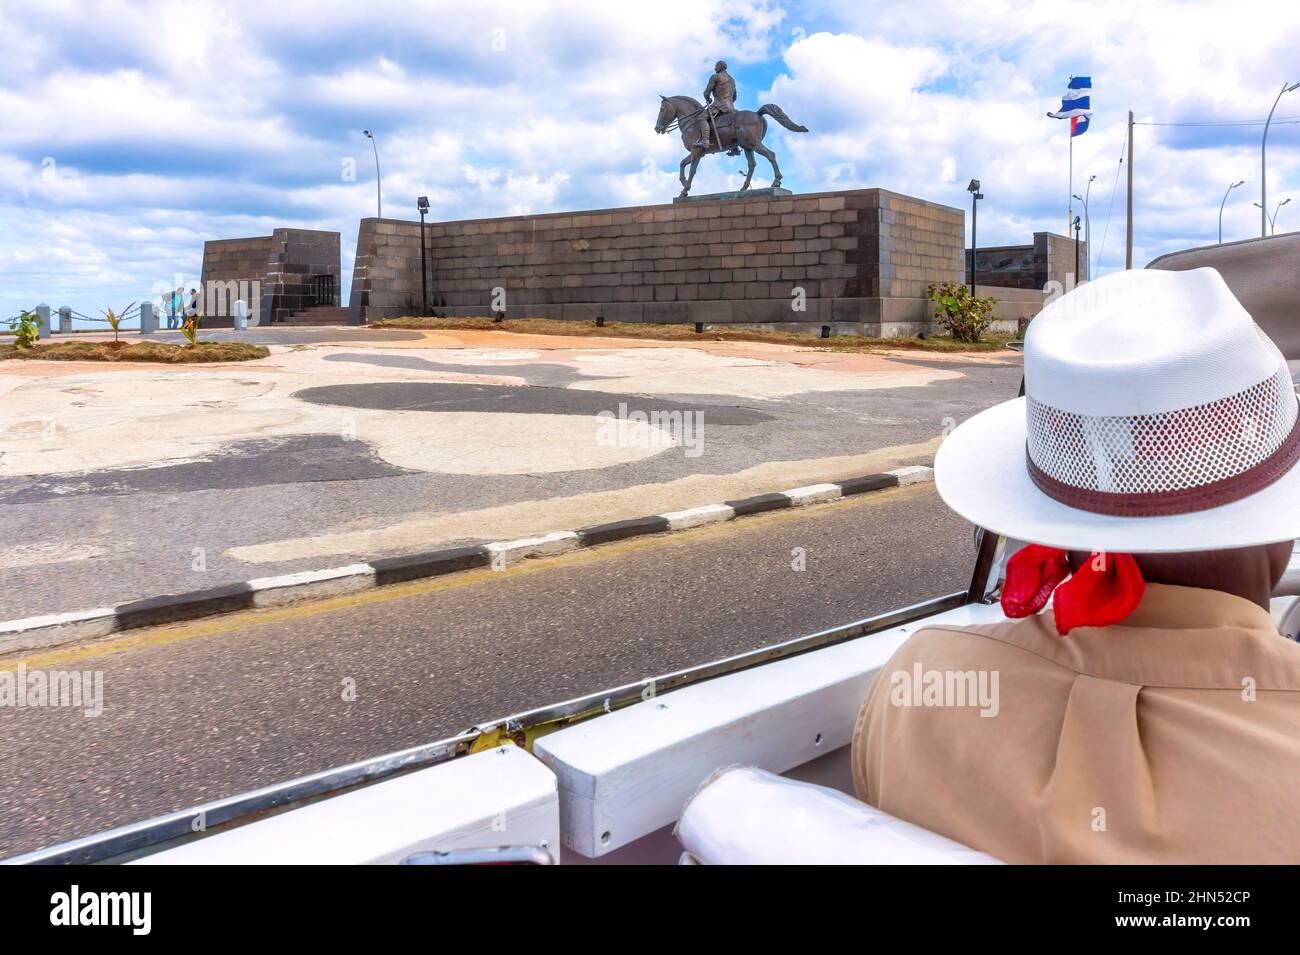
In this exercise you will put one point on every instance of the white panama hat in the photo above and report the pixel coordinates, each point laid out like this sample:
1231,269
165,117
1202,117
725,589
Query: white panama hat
1157,418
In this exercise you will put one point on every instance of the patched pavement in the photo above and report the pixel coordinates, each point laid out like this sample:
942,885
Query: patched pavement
349,444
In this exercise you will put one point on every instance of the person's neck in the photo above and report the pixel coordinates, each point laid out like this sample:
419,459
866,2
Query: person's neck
1257,592
1246,572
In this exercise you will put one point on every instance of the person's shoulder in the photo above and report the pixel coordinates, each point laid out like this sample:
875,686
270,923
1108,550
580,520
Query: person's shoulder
1024,652
1032,641
1035,626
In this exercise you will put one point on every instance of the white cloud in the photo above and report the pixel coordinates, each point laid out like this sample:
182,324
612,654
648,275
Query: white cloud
172,123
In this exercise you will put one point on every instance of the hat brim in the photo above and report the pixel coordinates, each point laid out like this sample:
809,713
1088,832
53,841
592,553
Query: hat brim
980,473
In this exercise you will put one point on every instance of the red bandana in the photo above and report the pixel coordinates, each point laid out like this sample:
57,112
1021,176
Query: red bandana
1102,592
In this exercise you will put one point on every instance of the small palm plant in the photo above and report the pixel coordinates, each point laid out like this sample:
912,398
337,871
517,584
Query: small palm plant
191,328
115,319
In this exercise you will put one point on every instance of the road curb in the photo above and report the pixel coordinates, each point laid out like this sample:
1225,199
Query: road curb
52,630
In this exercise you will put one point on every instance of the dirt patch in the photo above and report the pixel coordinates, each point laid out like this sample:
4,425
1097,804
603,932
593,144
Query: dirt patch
681,333
159,352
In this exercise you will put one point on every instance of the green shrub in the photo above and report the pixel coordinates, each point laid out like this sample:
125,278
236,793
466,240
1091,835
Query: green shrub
26,329
190,329
961,313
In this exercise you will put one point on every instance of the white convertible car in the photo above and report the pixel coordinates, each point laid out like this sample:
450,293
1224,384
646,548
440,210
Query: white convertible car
741,760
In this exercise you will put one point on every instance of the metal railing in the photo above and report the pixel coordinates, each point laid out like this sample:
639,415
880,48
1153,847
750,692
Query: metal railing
131,314
5,328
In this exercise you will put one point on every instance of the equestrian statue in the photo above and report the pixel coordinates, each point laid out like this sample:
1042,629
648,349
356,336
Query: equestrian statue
717,126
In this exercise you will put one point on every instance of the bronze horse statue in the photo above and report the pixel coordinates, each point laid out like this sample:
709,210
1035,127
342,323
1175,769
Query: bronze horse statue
742,129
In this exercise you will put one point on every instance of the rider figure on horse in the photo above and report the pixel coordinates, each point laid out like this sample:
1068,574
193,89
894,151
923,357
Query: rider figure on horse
720,97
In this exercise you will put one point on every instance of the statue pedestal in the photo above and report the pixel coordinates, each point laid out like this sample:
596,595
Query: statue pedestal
738,194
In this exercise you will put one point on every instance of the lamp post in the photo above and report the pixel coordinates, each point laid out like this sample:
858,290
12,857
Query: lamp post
1087,228
1272,219
1222,204
379,192
423,205
1263,162
975,196
1076,249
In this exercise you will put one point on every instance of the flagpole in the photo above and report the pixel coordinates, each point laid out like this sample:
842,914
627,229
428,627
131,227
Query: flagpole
1069,205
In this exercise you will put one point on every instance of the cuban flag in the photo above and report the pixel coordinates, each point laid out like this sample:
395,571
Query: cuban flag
1076,104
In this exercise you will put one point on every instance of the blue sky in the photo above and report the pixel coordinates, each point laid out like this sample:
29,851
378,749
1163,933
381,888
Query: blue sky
133,131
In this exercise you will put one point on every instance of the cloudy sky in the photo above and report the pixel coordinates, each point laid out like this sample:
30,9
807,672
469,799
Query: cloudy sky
133,131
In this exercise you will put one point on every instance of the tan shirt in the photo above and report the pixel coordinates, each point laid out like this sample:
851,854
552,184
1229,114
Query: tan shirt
1174,737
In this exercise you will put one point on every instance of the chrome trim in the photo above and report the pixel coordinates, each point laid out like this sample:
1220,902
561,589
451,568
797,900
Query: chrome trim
501,855
986,547
136,839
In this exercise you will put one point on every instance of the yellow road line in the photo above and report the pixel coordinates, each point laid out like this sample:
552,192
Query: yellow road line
251,620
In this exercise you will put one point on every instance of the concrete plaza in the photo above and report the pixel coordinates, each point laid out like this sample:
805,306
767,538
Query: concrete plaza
126,481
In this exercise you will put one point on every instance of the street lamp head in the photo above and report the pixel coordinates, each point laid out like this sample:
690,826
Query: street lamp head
1282,203
368,134
974,186
1293,86
1079,197
1240,182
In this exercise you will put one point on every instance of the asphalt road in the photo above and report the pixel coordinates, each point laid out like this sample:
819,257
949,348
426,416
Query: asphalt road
72,541
195,712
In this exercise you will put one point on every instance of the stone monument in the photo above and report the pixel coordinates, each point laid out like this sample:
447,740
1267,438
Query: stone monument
848,262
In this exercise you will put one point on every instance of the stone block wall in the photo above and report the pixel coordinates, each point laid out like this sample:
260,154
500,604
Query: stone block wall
231,265
236,258
273,274
1014,305
860,259
1054,259
297,257
1049,259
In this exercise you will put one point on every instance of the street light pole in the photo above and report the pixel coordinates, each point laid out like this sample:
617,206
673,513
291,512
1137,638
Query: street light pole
1087,232
379,191
1263,162
1087,227
423,205
975,196
1076,250
1272,220
1222,204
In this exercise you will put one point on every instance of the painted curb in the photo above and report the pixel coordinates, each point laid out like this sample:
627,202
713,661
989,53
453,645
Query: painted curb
503,554
51,630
